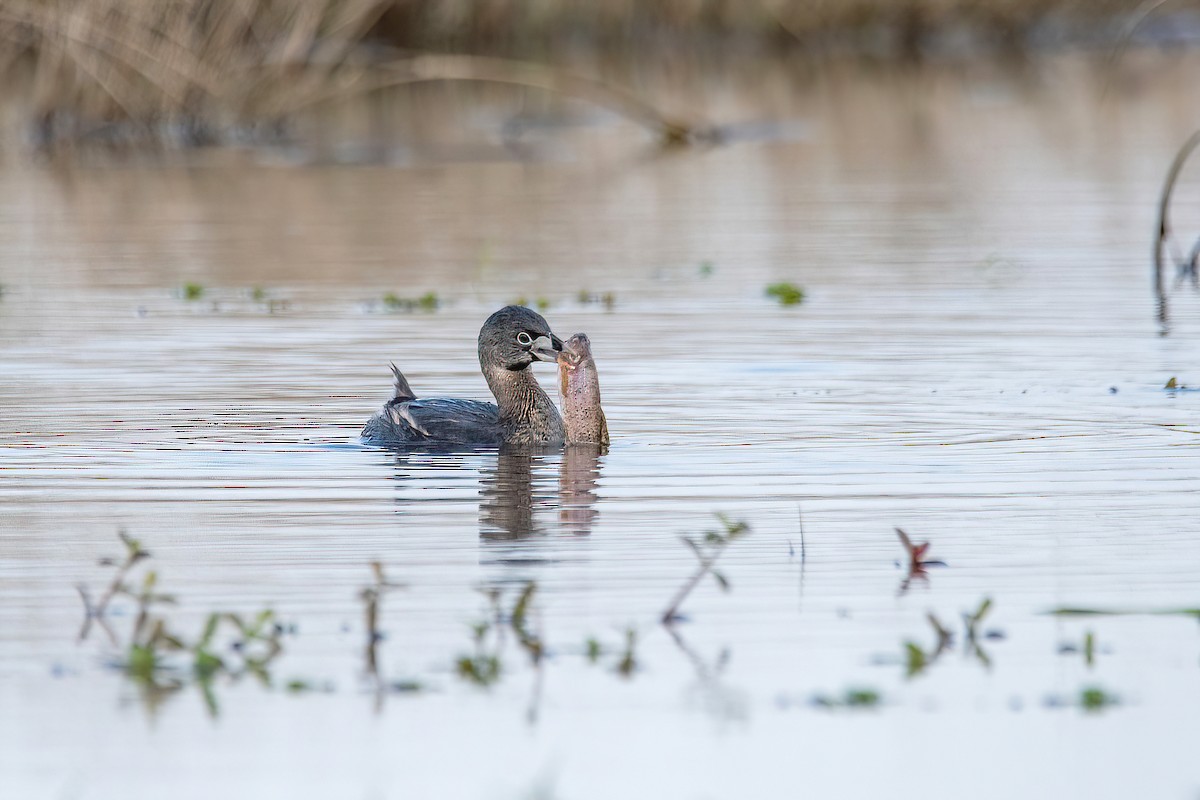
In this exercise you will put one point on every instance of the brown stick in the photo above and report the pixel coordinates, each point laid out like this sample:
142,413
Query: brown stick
1164,224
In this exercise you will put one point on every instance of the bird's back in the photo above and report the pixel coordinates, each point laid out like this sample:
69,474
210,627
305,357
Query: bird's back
434,421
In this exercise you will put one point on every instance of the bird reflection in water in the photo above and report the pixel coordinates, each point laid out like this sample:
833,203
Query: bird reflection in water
519,486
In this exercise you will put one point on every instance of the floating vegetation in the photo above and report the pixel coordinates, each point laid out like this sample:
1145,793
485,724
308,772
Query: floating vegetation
971,622
916,553
153,649
263,297
624,658
519,620
917,659
395,303
707,551
627,664
787,294
1088,648
540,303
372,596
95,612
482,666
854,698
191,291
1090,700
706,269
1070,611
606,299
916,562
1094,699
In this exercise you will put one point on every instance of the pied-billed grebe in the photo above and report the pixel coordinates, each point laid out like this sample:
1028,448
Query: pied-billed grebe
579,385
509,342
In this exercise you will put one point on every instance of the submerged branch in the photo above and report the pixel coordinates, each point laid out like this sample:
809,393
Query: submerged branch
429,68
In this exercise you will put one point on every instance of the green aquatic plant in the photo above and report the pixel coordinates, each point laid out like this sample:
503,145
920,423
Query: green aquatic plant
623,661
1094,699
95,612
530,642
707,550
482,666
152,652
1074,611
426,302
971,622
706,269
372,597
192,291
627,664
853,697
786,294
606,299
917,659
592,649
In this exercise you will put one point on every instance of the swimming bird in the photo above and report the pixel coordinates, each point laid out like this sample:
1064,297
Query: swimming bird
510,341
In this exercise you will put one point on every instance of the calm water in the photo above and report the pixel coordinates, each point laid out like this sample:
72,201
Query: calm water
976,361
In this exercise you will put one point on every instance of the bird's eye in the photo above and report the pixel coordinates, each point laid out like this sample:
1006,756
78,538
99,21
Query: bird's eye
524,339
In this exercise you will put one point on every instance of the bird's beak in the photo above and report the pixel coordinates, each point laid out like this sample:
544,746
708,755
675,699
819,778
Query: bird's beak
546,348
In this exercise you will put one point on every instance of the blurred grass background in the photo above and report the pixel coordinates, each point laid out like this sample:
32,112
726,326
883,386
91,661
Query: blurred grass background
196,72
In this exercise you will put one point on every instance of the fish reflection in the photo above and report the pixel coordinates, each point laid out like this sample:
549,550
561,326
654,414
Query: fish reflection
518,486
578,477
519,492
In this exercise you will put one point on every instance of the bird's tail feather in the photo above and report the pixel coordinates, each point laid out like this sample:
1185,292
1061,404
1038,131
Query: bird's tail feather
403,390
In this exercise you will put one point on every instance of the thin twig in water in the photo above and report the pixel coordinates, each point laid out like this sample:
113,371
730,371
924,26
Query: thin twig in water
372,595
1164,231
133,554
716,542
800,516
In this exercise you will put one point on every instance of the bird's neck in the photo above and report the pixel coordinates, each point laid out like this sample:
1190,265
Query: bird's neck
518,395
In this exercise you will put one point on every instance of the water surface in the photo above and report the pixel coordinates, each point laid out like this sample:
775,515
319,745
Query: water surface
976,361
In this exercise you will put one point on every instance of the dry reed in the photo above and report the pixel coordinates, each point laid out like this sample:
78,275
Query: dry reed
191,72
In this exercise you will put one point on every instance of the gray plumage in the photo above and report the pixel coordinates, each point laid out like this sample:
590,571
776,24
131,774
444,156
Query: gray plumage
509,342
